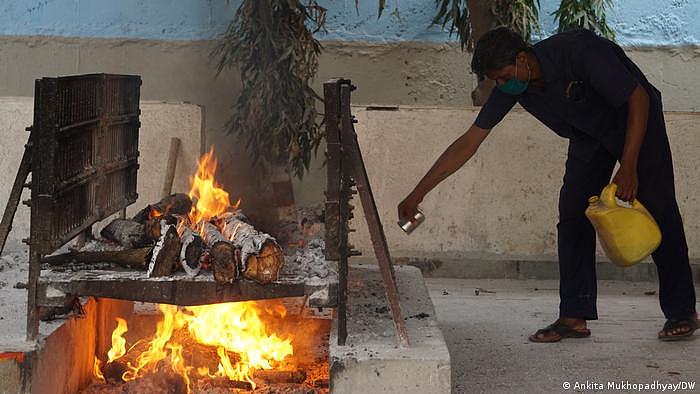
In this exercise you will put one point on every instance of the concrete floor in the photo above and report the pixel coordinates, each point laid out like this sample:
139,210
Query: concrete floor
487,339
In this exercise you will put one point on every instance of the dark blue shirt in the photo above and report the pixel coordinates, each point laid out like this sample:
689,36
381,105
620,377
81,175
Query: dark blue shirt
587,82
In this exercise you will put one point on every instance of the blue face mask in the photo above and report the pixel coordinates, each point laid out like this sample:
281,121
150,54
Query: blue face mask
514,86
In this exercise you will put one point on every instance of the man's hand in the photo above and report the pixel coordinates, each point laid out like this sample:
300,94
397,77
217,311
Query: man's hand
627,182
407,207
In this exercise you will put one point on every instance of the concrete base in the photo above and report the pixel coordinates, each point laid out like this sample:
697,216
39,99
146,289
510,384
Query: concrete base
372,361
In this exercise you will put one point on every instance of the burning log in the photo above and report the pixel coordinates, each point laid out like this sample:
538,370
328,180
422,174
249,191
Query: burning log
133,258
222,253
261,256
133,234
152,227
274,376
174,204
223,383
191,252
322,383
114,371
166,253
127,233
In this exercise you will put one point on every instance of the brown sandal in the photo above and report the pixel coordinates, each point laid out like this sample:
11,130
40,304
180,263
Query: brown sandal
673,324
562,330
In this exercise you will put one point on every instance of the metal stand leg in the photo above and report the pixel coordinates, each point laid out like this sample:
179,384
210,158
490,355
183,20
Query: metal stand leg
346,169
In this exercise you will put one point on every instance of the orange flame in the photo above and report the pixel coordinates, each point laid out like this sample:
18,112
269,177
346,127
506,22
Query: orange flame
153,212
97,370
234,327
118,342
208,198
237,327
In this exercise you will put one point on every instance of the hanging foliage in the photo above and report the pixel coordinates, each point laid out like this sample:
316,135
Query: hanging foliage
586,14
523,16
272,43
456,14
520,15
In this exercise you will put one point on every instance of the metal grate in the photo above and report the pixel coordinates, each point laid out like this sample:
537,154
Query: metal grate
85,153
84,160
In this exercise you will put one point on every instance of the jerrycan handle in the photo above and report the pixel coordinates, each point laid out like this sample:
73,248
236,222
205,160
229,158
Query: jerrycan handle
608,198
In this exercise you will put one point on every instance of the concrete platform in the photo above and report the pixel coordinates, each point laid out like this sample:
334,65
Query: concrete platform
487,338
372,361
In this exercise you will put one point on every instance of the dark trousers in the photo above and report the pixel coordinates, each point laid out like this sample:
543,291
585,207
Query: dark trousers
577,240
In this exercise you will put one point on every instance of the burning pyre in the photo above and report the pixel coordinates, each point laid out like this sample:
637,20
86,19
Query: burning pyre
233,343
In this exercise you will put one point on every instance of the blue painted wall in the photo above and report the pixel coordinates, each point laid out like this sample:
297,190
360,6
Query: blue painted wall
637,22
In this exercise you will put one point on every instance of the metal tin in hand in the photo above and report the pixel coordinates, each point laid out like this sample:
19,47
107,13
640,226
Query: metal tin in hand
408,226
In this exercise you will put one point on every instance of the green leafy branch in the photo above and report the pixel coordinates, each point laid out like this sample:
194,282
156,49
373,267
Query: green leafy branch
587,14
272,43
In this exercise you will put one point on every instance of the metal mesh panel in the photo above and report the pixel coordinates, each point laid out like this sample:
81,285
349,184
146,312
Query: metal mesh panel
117,186
85,153
76,99
76,206
74,152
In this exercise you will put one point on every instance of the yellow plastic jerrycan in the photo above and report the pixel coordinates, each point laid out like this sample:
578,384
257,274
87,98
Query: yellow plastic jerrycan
628,235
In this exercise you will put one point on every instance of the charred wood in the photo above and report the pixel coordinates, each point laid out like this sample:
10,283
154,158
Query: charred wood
166,253
114,371
126,232
132,258
224,383
321,383
274,376
174,204
152,226
222,254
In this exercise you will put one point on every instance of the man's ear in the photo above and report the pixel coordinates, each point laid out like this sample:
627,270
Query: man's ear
521,57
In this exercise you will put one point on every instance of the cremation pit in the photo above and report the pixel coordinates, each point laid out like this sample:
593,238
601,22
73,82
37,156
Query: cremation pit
289,319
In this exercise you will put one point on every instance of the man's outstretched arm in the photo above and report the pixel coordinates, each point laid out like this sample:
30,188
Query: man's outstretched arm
637,114
454,157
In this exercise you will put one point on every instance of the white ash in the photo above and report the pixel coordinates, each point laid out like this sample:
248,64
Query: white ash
91,245
319,297
309,264
101,245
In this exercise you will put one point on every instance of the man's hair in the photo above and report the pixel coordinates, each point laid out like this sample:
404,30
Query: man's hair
497,48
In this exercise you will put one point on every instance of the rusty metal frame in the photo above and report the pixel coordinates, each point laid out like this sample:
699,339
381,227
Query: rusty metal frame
84,162
346,169
336,206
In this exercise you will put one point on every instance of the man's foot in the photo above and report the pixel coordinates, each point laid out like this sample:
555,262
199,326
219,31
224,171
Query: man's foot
564,327
678,329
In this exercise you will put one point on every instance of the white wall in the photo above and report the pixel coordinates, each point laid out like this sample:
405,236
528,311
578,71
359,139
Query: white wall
504,200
